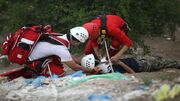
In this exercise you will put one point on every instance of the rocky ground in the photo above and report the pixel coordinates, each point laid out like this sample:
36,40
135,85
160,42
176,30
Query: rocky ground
140,86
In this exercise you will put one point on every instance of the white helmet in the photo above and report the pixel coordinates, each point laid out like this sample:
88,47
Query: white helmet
106,68
80,33
88,61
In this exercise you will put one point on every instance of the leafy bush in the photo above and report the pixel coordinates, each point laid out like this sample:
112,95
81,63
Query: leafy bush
143,16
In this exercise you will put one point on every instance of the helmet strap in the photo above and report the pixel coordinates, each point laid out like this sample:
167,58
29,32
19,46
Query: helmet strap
68,36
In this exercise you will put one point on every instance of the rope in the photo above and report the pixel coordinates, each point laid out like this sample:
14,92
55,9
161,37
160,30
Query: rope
109,60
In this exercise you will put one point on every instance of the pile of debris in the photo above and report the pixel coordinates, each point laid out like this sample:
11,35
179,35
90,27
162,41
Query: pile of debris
80,87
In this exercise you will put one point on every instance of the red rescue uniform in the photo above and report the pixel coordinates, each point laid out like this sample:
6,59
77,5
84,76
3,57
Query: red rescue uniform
114,24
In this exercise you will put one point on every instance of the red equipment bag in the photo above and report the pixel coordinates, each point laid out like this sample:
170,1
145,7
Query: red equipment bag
18,46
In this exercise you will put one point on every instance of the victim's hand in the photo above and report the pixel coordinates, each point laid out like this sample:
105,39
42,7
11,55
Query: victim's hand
96,70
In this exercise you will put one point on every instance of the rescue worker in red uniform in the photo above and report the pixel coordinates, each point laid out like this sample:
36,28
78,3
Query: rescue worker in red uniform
53,50
116,29
50,53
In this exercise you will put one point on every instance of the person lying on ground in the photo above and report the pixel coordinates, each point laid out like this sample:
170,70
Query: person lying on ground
130,65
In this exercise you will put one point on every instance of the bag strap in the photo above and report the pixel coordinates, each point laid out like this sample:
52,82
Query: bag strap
103,29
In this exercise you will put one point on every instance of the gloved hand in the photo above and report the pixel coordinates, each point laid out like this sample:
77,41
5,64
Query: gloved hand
96,70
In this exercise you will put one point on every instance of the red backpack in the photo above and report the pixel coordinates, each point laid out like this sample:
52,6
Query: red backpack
18,46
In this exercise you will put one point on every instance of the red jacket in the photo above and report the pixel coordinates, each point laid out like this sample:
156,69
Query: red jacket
113,25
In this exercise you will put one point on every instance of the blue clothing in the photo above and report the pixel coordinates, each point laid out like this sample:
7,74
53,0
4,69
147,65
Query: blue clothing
131,62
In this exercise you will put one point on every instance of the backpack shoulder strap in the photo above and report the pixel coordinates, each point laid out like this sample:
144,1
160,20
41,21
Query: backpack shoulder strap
103,29
103,23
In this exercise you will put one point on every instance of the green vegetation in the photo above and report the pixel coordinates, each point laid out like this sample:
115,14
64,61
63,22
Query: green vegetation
152,17
143,16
